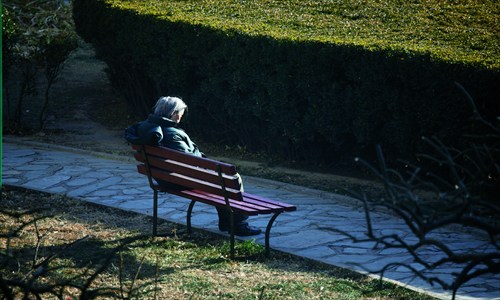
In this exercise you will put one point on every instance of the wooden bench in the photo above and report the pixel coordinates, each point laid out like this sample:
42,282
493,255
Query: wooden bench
204,180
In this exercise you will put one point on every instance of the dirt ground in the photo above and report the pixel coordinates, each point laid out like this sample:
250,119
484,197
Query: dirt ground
86,113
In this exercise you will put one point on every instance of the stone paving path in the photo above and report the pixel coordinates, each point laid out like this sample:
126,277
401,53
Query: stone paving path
306,232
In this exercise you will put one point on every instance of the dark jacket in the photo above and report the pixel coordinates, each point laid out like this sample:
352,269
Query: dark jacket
159,131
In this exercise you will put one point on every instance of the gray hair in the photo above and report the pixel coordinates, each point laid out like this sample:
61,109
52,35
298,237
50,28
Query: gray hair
167,106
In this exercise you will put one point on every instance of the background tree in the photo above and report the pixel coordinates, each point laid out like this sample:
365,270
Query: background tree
41,38
460,186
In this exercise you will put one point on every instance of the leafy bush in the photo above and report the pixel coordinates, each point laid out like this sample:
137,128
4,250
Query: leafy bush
454,31
271,76
39,35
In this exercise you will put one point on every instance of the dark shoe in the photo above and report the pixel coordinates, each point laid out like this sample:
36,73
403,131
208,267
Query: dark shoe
241,230
246,230
224,227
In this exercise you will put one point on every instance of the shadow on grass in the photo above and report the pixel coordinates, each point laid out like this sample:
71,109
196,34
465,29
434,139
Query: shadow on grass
118,244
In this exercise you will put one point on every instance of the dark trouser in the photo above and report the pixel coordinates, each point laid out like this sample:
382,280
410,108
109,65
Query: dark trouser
225,218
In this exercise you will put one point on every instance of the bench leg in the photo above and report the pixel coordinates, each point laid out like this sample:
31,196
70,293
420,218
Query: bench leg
155,212
188,217
268,231
188,224
231,223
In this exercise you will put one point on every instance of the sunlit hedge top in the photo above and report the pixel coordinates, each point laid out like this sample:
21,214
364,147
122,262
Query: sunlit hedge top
458,31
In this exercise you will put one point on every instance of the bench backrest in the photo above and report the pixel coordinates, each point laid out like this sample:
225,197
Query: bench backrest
189,171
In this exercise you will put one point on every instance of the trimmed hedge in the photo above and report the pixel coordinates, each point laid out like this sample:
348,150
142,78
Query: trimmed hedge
459,31
302,100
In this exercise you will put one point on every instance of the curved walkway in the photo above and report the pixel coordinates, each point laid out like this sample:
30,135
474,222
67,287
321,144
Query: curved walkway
114,182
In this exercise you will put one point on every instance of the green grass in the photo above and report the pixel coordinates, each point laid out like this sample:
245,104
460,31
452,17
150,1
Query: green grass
456,31
179,266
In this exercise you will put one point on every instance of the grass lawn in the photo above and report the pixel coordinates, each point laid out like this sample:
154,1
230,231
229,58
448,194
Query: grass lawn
71,246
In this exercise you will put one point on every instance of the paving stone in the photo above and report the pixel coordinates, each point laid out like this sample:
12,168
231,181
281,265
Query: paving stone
103,193
85,190
320,252
392,251
80,181
306,238
32,175
16,161
11,180
8,173
97,174
123,198
129,191
33,167
136,204
73,170
358,262
203,219
347,246
17,152
46,182
57,190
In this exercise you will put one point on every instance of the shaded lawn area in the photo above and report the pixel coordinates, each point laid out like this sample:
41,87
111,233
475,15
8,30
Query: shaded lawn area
63,248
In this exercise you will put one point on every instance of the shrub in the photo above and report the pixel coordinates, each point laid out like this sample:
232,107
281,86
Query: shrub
40,35
306,99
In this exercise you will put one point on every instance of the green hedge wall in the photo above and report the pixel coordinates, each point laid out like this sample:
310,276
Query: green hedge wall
303,101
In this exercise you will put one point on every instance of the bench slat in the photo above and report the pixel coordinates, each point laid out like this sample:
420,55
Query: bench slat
188,182
262,209
285,206
266,204
217,201
187,158
190,171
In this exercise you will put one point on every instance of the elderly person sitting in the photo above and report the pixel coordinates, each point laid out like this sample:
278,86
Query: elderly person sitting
161,129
